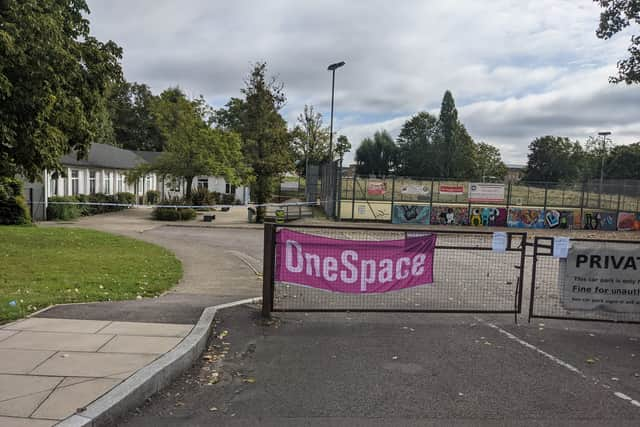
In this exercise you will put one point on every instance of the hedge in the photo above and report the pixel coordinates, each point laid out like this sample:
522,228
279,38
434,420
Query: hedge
13,206
173,214
66,212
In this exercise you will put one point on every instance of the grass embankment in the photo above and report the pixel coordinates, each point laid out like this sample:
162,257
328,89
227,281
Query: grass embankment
44,266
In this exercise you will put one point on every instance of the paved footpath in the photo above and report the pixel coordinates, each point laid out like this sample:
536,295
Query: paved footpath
55,364
51,368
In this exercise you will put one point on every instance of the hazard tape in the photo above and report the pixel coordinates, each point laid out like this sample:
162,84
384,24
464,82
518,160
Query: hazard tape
134,205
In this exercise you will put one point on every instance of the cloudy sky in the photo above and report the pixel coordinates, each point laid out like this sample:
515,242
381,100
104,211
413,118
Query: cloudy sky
517,68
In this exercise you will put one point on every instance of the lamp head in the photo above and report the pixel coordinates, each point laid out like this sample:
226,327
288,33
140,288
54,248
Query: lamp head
335,66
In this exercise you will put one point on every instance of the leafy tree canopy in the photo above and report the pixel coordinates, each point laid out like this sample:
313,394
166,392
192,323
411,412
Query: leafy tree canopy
616,16
417,146
192,147
310,139
266,141
377,156
130,111
53,79
554,159
343,146
488,162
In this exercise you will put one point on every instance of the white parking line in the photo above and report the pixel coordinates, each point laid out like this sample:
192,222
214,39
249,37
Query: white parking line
553,358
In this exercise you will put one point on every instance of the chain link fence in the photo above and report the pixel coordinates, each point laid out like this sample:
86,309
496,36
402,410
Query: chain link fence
603,294
468,276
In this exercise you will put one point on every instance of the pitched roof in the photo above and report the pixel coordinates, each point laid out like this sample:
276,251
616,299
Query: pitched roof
148,156
105,156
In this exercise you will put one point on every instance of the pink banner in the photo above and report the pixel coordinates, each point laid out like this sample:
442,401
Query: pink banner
354,266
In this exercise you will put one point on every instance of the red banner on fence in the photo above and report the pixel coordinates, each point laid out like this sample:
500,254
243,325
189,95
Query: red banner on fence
451,189
376,188
354,266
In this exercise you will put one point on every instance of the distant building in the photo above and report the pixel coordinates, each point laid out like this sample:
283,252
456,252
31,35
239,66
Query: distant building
104,171
515,172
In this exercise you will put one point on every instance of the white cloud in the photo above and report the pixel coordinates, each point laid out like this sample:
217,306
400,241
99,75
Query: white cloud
518,69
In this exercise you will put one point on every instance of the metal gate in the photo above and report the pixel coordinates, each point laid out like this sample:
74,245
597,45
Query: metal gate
468,275
552,288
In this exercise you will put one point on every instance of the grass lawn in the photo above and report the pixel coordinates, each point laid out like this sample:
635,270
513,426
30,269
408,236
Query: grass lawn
44,266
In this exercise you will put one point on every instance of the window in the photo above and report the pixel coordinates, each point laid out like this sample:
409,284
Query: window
53,185
92,182
147,184
203,183
106,189
230,189
174,185
75,182
119,188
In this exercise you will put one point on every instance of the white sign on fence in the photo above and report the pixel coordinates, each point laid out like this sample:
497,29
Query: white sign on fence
600,276
418,190
484,193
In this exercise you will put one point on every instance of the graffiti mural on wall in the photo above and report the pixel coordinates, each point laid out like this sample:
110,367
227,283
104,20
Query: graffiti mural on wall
525,218
561,219
411,214
488,217
600,221
446,215
628,221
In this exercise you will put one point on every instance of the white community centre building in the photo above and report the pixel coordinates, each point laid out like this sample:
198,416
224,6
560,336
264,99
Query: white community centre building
104,171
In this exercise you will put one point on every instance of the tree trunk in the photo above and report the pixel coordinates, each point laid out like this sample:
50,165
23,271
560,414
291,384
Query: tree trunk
261,193
189,183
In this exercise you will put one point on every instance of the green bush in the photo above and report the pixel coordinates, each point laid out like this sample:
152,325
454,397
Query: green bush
153,197
13,207
216,198
228,199
173,214
202,197
126,198
63,212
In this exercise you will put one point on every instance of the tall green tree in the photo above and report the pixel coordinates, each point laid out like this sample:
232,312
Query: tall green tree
130,109
266,141
53,78
310,139
377,156
455,146
343,146
616,16
417,143
193,148
623,162
488,162
554,159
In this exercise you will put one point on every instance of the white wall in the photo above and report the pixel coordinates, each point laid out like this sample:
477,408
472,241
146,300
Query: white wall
65,184
217,184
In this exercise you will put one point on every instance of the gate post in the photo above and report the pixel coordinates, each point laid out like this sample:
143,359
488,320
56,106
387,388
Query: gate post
393,194
267,269
353,197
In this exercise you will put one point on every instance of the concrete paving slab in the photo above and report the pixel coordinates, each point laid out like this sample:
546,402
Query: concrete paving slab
74,364
20,395
140,344
55,341
25,422
6,334
147,329
14,361
58,325
72,394
23,406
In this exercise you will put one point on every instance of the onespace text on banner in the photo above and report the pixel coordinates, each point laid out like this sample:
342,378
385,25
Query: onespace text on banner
600,276
353,266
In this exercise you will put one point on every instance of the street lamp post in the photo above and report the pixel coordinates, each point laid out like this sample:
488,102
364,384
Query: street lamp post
602,155
332,68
